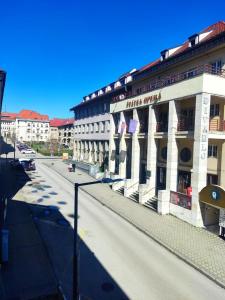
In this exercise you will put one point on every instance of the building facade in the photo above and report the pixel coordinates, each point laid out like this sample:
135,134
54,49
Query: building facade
27,125
167,136
92,125
66,133
8,125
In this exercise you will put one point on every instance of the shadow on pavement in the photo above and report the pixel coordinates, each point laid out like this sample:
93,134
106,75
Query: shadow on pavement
95,282
27,273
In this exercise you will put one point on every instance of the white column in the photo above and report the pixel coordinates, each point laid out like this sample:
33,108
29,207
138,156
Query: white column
112,146
172,161
122,166
101,152
152,151
200,153
89,152
135,164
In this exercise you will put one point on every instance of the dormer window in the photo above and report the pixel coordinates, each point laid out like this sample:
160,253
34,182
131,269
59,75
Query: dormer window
164,54
87,98
193,40
93,96
117,84
100,92
108,88
128,79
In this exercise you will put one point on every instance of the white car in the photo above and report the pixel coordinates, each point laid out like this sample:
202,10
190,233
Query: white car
28,151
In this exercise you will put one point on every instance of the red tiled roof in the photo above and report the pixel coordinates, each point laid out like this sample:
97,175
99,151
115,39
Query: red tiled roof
8,116
32,115
215,29
61,122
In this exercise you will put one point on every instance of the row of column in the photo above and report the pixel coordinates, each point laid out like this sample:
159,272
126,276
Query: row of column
90,151
200,150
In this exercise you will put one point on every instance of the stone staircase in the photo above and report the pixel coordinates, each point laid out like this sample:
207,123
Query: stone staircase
152,203
134,197
120,190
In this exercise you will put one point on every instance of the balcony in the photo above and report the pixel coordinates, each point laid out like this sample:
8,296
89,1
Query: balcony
162,126
185,124
172,79
216,125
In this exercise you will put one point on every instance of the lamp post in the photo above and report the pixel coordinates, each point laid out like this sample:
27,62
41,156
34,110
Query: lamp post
75,295
2,86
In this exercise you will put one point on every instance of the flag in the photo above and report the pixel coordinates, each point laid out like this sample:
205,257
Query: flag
132,126
121,127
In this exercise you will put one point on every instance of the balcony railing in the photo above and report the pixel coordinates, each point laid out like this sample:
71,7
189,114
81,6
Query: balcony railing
162,127
185,124
143,127
216,125
180,199
172,79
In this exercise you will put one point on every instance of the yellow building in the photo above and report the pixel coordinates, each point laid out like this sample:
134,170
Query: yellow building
168,132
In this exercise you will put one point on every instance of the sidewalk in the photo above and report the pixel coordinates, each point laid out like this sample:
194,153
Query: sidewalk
28,273
196,246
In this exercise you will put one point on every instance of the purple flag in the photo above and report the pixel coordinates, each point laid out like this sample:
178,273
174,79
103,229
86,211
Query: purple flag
132,126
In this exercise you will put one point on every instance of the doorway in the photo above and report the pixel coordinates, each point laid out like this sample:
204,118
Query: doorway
160,179
211,216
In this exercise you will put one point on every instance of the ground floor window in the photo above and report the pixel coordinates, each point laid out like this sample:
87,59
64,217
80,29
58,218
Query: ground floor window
183,181
212,179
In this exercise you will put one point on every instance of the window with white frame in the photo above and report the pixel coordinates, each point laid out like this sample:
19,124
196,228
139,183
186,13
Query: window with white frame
212,151
216,66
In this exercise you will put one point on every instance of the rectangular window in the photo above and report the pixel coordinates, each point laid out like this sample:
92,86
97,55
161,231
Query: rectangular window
216,66
214,110
212,179
212,151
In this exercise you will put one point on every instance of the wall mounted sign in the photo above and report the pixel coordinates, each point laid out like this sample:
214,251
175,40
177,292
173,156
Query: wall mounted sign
213,195
143,101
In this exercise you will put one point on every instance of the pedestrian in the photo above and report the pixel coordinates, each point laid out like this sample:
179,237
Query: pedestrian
74,166
70,167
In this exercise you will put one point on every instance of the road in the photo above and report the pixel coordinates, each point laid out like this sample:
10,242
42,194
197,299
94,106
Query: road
136,266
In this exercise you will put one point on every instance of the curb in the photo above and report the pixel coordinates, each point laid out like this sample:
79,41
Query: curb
218,282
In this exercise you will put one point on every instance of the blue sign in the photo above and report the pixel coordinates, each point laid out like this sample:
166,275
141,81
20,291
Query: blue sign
215,194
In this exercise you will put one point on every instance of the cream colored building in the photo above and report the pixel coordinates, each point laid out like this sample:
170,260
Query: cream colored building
172,142
8,125
27,125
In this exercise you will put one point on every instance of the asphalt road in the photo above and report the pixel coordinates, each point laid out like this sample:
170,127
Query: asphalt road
130,264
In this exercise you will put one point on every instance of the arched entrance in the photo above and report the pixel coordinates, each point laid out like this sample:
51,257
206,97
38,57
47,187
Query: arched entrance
212,203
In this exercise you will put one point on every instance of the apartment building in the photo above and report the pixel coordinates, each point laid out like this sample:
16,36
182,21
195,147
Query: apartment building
66,132
27,125
167,135
8,121
92,126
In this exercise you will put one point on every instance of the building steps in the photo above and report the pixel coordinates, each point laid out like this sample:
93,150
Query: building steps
120,190
134,197
152,203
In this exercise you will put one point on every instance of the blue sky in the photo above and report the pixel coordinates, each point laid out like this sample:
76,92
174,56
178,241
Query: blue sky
55,52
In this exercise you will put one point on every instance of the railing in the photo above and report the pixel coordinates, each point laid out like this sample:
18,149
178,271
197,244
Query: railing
185,124
143,127
174,78
162,127
181,200
216,125
132,185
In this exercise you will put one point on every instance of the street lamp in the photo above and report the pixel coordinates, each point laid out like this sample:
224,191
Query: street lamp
75,295
2,86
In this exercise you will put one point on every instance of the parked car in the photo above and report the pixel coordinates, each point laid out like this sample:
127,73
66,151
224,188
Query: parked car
28,151
28,164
